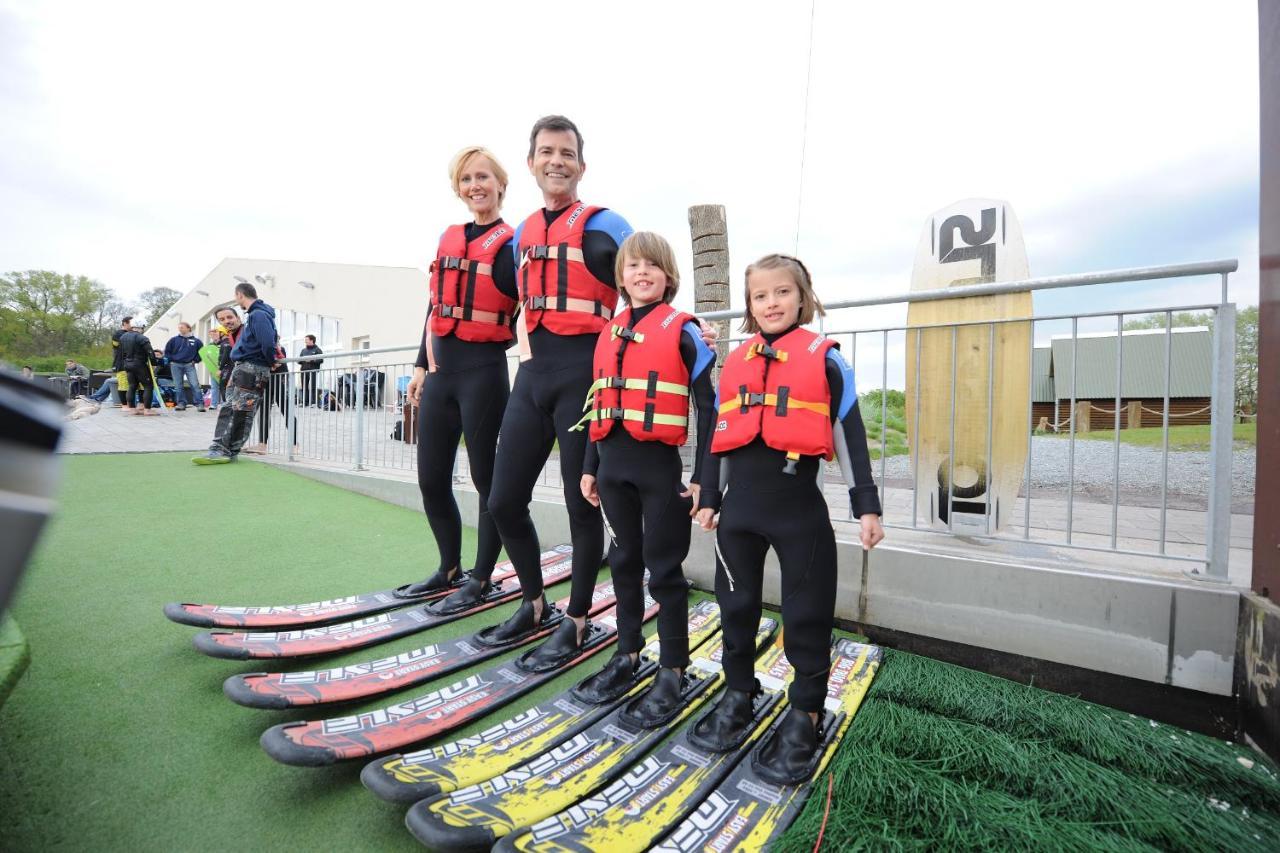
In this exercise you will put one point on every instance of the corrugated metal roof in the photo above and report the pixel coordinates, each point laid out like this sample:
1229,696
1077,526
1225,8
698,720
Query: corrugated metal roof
1190,375
1041,381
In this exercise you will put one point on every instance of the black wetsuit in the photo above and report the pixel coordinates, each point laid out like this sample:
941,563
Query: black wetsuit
763,507
464,398
136,356
639,483
546,401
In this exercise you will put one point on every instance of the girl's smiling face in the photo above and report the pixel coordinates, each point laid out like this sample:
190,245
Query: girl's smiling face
774,299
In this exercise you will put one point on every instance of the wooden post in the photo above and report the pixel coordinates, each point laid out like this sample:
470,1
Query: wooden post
1134,420
1082,416
710,233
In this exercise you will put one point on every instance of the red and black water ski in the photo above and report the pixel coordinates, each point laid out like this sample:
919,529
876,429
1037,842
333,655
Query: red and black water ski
346,636
386,675
321,612
449,766
322,742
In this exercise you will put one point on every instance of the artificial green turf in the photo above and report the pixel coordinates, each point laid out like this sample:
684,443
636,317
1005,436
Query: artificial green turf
15,655
119,736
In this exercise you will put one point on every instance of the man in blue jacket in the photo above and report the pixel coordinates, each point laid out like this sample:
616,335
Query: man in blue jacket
253,354
183,351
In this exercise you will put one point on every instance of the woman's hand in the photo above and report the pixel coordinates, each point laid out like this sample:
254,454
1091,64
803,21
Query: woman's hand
872,532
588,487
694,491
707,518
414,391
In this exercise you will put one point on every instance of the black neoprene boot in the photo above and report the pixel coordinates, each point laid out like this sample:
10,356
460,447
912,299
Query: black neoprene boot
440,580
660,703
609,683
520,625
790,753
562,647
471,594
726,725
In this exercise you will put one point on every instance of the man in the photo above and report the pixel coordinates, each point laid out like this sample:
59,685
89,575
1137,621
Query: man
137,356
565,256
307,370
122,380
230,321
78,376
182,351
254,355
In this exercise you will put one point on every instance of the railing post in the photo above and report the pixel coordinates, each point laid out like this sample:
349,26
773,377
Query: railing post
1221,420
359,392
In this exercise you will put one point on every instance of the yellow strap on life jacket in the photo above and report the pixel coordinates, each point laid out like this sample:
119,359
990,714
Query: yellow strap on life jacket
616,332
622,383
601,415
766,351
746,399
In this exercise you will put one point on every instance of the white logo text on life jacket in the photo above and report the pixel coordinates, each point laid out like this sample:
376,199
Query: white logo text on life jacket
817,342
722,426
670,317
494,236
573,217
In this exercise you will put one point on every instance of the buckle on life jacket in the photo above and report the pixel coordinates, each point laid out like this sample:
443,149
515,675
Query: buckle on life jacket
536,253
767,351
452,263
618,382
610,414
792,459
448,311
626,334
747,399
538,303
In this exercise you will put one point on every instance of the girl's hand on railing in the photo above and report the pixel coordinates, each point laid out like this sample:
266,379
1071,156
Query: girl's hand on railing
588,487
709,333
414,391
872,532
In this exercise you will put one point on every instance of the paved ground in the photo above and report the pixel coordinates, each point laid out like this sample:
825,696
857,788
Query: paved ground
328,439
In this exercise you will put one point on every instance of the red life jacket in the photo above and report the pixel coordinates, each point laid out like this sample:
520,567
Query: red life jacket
779,392
464,300
556,288
649,391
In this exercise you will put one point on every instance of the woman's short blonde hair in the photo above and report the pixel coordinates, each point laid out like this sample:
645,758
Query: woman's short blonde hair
652,248
810,304
464,157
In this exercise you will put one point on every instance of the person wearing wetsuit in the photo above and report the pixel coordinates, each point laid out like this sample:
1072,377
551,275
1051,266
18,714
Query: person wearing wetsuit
117,363
137,357
786,401
460,383
648,363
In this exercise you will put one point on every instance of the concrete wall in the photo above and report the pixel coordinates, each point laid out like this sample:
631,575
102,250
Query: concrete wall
1182,634
1258,672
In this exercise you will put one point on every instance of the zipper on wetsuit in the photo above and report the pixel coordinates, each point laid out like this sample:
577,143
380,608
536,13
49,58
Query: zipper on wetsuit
728,574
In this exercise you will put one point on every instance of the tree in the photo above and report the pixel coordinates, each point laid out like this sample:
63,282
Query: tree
153,303
1246,347
45,313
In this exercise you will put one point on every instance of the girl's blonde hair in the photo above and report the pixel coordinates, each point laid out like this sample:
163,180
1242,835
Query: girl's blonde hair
465,156
652,248
810,304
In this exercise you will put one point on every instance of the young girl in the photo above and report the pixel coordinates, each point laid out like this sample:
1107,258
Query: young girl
648,363
786,402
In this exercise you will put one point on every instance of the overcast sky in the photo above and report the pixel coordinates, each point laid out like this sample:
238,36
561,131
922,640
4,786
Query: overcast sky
143,142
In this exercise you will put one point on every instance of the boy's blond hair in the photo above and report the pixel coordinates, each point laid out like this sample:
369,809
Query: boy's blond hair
810,304
654,249
465,156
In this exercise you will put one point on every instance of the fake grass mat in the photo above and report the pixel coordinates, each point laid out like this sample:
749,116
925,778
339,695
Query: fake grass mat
119,737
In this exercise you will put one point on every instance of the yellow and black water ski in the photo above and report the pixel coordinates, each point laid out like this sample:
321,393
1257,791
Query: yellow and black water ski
659,791
747,812
475,817
448,767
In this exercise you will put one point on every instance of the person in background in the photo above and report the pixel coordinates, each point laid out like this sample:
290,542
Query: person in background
230,321
307,370
254,355
78,375
122,379
182,352
273,394
209,354
137,355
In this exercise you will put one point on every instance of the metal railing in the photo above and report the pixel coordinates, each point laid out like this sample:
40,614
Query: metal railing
361,397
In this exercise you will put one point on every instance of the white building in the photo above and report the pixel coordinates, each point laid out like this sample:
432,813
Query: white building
346,306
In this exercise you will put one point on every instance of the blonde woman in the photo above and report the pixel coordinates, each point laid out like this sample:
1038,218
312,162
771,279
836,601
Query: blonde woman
459,383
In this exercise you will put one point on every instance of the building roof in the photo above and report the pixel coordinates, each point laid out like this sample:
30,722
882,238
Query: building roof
1190,373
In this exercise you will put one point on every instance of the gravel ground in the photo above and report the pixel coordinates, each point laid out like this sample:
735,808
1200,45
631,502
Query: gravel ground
1140,470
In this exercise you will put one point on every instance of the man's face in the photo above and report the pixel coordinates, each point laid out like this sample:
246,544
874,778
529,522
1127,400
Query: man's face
555,164
243,301
126,325
70,364
184,328
229,320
